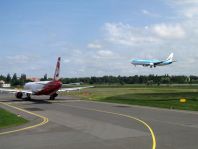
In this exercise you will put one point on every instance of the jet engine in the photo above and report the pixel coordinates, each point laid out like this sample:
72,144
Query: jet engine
151,65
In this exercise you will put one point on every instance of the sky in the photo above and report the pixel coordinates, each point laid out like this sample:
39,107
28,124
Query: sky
97,38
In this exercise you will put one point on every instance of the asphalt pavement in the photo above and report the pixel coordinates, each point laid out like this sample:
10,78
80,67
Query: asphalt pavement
79,124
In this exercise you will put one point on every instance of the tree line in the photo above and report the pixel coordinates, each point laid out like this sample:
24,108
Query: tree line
14,80
136,79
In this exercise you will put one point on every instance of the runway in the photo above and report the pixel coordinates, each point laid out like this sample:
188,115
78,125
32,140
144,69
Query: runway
75,124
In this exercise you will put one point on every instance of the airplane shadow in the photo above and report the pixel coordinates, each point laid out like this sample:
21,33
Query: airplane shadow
34,101
39,101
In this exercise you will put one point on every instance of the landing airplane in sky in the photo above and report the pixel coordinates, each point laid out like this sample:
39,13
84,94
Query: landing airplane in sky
153,62
43,87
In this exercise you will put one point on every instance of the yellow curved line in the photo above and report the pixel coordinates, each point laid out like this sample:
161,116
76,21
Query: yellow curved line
119,114
45,120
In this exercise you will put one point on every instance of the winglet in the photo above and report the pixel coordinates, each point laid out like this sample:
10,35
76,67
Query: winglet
57,70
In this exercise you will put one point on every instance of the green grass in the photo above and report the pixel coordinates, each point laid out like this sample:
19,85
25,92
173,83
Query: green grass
8,119
164,97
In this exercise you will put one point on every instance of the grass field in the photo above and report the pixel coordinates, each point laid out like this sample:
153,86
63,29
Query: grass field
154,96
8,119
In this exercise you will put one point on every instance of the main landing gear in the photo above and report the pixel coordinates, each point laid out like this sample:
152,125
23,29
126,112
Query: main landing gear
151,66
20,95
52,97
28,96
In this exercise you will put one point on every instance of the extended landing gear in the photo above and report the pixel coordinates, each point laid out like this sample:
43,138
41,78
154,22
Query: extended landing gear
52,97
28,96
151,66
19,95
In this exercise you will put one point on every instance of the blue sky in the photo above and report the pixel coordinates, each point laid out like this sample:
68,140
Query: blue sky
96,38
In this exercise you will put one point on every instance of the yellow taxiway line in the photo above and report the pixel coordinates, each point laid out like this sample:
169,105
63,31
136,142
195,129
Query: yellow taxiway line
123,115
45,120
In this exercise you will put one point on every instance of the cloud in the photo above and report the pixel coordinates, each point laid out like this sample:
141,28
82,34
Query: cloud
126,34
19,59
25,63
170,31
129,35
187,8
105,53
185,2
148,13
191,12
94,46
66,61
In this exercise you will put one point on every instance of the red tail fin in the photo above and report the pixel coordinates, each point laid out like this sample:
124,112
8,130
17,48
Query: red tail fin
57,71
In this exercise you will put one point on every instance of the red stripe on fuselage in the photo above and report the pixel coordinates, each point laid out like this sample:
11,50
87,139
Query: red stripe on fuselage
50,88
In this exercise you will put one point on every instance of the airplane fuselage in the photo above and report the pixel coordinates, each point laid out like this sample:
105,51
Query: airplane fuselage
43,87
153,62
144,62
150,62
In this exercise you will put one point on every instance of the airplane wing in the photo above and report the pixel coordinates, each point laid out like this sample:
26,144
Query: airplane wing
73,89
8,90
157,63
152,63
76,83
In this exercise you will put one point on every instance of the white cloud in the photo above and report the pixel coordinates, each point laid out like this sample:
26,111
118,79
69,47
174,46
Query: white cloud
94,46
19,58
66,61
186,8
169,31
185,2
125,34
128,35
191,12
105,53
148,13
24,63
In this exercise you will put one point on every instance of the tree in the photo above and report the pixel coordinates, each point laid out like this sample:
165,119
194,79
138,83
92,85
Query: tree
149,82
165,80
8,78
23,79
44,78
2,78
14,80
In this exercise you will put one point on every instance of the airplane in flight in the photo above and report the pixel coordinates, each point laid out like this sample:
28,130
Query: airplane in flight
153,62
50,88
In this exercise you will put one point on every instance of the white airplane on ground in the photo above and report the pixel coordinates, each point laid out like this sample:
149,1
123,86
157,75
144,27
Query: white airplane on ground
43,87
153,62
